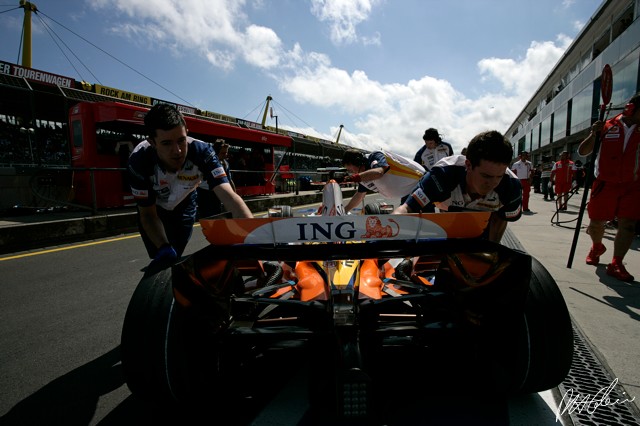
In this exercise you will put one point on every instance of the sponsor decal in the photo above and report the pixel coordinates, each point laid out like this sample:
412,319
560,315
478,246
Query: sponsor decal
329,230
35,75
420,197
218,172
121,94
188,178
341,229
375,228
140,193
512,214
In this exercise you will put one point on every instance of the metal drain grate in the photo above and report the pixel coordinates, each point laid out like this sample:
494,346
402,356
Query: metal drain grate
587,382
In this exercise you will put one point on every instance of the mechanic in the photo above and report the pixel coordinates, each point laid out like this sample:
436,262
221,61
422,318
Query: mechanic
391,175
480,181
562,175
164,172
616,188
433,150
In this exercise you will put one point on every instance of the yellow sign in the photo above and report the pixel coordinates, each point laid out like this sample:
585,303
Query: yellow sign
121,94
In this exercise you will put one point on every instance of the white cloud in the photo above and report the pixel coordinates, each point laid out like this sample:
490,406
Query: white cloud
217,29
525,76
578,26
393,116
343,17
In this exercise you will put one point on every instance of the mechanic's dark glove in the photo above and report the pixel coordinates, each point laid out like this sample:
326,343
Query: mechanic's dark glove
165,256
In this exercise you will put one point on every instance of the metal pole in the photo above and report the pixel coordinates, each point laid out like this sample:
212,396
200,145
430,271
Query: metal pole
606,86
26,44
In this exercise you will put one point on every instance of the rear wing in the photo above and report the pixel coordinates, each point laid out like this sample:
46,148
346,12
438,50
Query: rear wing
277,231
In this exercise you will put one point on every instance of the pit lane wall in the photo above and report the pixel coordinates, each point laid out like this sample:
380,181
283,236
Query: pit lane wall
44,230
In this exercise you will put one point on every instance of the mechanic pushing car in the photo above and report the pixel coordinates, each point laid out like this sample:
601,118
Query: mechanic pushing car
383,172
480,181
164,172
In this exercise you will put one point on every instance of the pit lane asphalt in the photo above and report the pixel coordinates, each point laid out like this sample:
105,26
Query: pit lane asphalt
61,314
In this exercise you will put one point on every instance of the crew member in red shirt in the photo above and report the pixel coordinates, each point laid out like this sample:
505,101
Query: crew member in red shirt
616,188
562,174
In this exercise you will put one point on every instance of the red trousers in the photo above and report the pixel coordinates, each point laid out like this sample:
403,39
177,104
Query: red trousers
526,190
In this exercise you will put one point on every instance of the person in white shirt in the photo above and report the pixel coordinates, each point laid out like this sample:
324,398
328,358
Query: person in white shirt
522,169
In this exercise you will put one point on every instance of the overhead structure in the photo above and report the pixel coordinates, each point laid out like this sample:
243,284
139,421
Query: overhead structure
26,32
266,108
339,133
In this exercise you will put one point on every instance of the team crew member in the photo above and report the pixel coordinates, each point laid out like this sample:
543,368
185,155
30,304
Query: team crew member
389,174
562,175
164,172
480,181
522,169
616,188
434,149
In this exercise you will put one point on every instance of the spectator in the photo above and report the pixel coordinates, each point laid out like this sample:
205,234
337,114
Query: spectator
562,175
389,174
616,189
522,169
480,181
433,150
545,177
164,171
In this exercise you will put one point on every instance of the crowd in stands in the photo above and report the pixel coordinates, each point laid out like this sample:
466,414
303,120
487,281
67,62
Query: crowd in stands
45,143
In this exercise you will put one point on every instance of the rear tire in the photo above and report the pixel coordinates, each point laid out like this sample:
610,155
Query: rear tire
162,345
532,350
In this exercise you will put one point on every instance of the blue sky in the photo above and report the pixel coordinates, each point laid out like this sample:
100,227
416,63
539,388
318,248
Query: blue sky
385,69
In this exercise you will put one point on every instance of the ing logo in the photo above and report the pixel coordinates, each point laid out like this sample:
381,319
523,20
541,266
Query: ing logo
375,229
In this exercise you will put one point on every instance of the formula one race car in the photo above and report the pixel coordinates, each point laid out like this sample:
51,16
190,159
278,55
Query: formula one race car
374,306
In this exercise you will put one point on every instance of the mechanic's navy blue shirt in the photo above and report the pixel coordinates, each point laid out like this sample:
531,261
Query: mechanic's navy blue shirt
151,184
445,186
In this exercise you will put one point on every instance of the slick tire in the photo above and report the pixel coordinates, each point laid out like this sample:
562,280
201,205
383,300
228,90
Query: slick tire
532,351
161,345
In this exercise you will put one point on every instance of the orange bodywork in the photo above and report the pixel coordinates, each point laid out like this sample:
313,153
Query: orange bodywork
370,282
311,284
